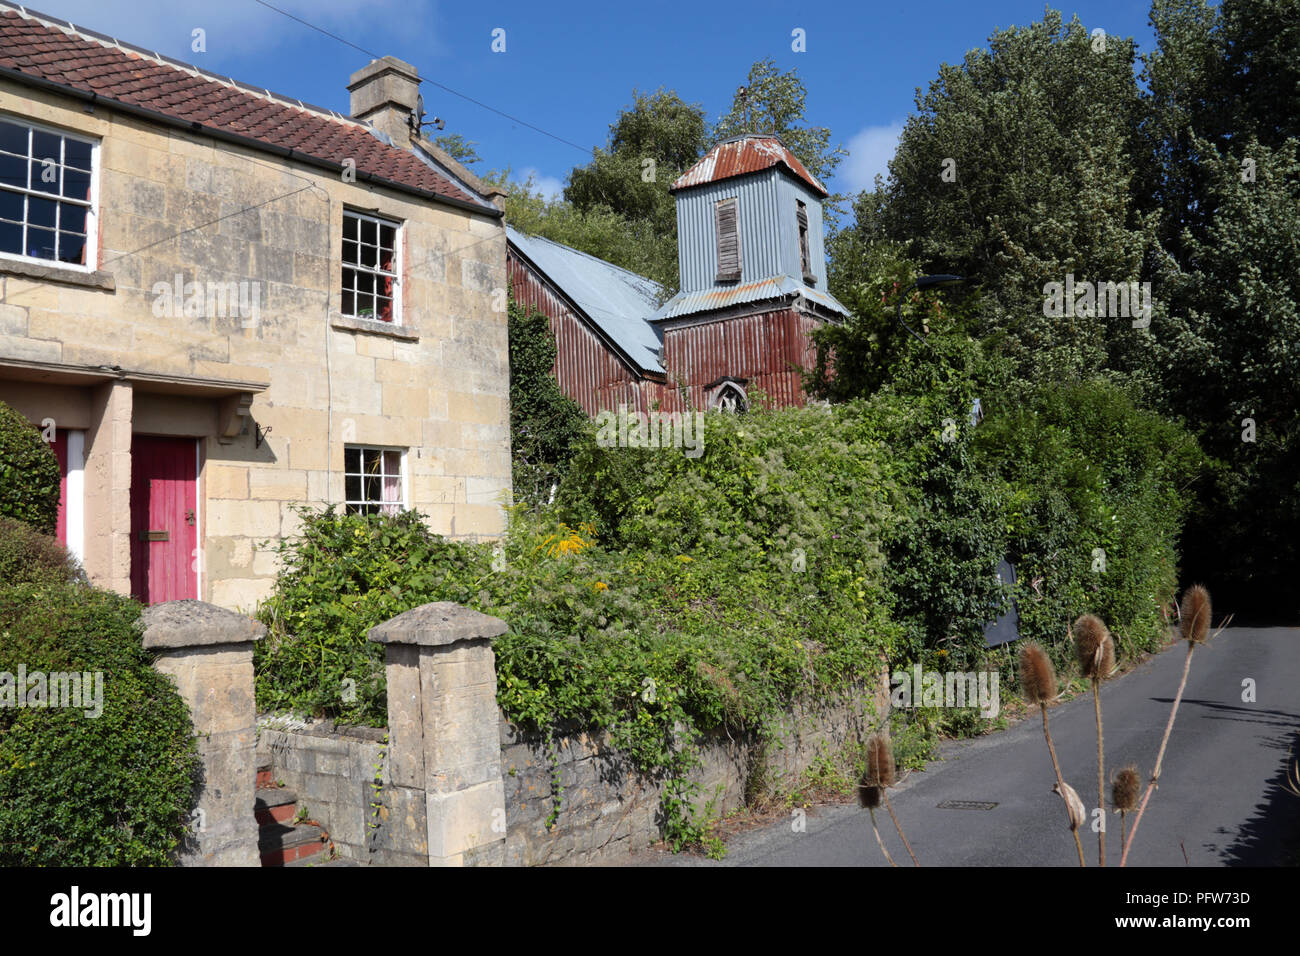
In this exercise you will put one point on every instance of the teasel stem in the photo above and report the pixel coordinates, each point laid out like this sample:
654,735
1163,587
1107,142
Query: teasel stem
876,830
1160,756
1101,773
1123,835
1060,781
890,807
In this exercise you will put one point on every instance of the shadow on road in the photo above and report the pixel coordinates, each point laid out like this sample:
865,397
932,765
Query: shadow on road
1270,836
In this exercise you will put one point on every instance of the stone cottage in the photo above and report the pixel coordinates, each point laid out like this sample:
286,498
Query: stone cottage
219,303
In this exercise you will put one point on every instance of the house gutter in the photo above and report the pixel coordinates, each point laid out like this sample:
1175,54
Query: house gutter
248,142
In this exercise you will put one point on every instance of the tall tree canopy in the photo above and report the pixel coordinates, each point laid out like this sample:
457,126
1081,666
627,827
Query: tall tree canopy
1042,156
1015,172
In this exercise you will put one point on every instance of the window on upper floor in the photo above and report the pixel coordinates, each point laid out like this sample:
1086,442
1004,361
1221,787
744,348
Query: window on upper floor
727,228
374,480
805,257
371,279
47,194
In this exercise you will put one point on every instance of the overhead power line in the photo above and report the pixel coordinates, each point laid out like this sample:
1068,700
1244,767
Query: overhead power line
424,79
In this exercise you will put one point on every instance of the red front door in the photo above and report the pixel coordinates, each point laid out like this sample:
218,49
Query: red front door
164,515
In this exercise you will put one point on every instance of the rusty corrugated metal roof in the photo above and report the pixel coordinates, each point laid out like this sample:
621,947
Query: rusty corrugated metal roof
750,153
618,301
773,287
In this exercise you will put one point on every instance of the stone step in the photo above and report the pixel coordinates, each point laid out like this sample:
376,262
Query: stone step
280,844
265,778
275,805
317,861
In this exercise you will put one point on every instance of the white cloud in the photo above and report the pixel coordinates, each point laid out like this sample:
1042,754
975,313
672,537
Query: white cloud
235,30
870,151
548,186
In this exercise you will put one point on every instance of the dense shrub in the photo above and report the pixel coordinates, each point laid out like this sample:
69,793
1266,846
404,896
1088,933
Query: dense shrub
732,583
28,556
951,532
77,790
29,473
1097,490
345,574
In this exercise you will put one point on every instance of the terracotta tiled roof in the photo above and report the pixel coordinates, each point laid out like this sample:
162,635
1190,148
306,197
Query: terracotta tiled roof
745,154
48,49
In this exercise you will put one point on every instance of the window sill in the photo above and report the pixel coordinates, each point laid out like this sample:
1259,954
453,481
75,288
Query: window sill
374,327
54,273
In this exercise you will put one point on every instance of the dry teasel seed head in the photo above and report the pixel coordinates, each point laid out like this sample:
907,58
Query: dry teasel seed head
880,761
1094,646
1037,676
1078,816
1124,789
1195,614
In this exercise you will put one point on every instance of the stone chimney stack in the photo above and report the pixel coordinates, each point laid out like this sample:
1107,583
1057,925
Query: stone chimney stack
385,94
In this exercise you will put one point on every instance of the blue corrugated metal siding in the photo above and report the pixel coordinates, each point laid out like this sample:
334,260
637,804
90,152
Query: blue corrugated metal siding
697,248
792,192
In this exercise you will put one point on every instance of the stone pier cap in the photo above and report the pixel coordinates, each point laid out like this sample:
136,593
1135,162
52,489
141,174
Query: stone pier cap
196,624
432,625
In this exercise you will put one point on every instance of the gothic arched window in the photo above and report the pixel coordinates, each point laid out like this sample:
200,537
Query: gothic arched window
730,397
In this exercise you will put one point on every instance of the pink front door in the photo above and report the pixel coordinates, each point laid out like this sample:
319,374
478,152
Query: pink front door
164,516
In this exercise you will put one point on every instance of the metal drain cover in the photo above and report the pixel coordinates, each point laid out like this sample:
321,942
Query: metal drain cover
965,805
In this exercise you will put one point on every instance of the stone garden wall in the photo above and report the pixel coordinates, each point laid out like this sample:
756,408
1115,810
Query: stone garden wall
604,810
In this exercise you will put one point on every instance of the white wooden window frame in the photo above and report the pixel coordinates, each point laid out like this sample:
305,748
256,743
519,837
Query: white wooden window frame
404,497
378,273
91,205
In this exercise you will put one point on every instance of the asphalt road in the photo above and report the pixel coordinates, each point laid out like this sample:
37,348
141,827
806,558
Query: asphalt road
1220,801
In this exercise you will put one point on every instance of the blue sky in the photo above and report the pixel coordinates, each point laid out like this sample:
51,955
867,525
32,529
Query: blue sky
569,67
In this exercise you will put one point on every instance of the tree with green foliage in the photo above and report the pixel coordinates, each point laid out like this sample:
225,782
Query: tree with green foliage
651,143
776,102
459,148
870,349
1015,172
1219,176
601,232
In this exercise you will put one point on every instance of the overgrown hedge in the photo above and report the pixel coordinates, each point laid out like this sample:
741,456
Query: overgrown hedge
29,473
27,556
729,584
113,789
1096,492
663,596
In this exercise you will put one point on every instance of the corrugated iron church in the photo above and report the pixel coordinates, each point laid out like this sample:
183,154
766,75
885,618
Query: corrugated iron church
753,287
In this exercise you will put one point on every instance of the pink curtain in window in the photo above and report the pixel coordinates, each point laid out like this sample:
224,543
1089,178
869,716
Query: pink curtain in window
392,483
